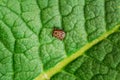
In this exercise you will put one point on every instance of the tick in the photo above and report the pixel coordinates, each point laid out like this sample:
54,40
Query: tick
58,33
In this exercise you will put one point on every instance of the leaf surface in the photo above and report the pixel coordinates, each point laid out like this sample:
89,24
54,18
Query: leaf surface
27,47
101,62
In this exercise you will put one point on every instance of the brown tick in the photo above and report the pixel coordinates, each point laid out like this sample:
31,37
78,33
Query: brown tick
58,33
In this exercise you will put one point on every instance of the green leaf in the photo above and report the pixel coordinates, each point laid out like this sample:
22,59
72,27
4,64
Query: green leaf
29,51
101,62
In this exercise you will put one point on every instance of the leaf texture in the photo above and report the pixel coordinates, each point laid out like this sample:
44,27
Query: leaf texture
27,47
101,62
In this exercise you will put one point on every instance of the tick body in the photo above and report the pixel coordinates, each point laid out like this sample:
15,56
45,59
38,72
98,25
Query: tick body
60,34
